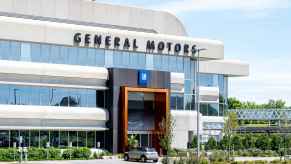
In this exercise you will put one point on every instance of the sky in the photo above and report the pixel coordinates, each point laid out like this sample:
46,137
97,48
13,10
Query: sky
257,32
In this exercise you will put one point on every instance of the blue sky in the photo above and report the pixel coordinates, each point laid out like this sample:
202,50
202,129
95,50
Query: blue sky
257,32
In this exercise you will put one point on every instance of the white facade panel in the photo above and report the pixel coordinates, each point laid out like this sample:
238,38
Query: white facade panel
63,34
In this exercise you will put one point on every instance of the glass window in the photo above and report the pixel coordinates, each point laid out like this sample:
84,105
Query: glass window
125,59
14,138
4,138
100,57
149,61
55,54
100,99
82,139
64,139
15,50
34,138
173,63
91,61
108,58
44,138
204,109
25,52
82,56
73,140
221,109
73,56
4,94
25,138
91,139
45,95
5,50
63,56
213,109
99,139
45,53
189,102
54,138
74,98
180,64
35,52
91,98
141,60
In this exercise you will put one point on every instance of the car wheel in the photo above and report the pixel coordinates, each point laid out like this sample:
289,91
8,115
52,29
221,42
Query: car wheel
126,158
143,159
155,160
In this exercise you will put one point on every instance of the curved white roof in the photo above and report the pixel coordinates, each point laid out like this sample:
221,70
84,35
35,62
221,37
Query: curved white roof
88,12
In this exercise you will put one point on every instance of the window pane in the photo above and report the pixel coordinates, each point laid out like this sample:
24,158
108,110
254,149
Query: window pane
91,57
73,56
54,138
63,139
15,51
81,138
35,52
91,139
34,138
5,50
100,58
25,137
73,138
4,138
25,52
44,138
213,109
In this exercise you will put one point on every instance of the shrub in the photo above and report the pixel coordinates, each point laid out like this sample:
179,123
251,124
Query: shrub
8,154
37,153
218,156
54,153
172,153
81,153
67,154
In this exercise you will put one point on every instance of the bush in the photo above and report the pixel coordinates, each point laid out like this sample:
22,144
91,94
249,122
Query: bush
172,153
81,153
218,156
54,153
37,154
8,154
67,154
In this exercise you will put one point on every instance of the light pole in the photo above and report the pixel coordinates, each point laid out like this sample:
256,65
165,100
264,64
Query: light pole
197,97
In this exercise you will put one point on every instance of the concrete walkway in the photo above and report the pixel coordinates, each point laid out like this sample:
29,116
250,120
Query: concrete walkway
256,158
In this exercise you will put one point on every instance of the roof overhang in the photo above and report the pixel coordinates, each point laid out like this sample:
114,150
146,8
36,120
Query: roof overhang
229,68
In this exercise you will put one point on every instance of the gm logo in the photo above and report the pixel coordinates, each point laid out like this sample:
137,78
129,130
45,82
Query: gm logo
143,77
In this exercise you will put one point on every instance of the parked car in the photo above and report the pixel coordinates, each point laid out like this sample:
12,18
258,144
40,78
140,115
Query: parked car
142,154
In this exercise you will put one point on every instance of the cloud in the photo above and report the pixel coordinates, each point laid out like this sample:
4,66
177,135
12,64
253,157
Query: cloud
192,5
269,79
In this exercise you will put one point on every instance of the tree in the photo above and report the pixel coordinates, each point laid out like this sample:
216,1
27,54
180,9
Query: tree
132,141
166,139
230,124
248,141
211,144
276,142
263,142
236,142
194,142
275,104
234,103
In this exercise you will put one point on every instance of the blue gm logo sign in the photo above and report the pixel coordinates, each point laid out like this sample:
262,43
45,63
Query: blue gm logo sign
143,77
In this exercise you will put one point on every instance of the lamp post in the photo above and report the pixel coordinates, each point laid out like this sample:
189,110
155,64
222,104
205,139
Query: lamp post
197,97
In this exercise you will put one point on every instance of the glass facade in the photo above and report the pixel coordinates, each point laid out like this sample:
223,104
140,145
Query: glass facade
46,96
57,54
214,80
58,139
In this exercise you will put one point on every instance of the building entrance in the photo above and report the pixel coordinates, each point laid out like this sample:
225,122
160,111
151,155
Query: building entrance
143,112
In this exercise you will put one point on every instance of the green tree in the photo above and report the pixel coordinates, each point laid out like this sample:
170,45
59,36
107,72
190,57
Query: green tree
248,141
194,142
230,124
223,144
167,138
275,104
132,141
276,142
234,103
211,144
236,142
263,142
